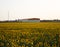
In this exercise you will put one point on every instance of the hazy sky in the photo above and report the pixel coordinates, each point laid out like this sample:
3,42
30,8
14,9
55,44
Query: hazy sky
43,9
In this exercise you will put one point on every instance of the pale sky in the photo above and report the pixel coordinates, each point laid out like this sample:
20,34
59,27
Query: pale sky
18,9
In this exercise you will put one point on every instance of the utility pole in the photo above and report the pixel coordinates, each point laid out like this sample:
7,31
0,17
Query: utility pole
8,15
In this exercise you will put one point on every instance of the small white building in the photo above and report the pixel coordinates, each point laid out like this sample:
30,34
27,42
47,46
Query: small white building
30,20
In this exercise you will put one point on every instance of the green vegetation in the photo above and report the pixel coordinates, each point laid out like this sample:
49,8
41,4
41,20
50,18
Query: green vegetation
43,34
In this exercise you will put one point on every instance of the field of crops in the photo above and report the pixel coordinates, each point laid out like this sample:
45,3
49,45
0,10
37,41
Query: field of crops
43,34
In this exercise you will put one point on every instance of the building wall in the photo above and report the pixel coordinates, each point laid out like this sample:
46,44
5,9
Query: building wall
30,20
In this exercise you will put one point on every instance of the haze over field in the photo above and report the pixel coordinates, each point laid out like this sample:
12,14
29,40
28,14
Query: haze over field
18,9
